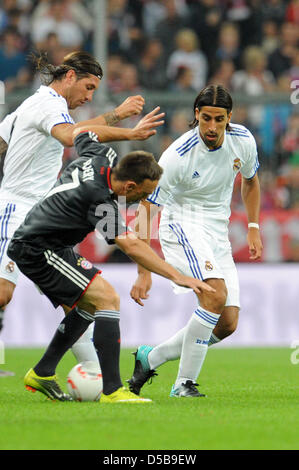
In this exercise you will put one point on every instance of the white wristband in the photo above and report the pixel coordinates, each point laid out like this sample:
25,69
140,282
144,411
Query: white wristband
253,225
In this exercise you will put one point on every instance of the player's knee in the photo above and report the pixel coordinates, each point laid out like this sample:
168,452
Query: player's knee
215,302
5,297
220,297
109,300
115,300
6,292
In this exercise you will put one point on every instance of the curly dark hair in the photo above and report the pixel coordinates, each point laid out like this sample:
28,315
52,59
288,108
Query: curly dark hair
81,62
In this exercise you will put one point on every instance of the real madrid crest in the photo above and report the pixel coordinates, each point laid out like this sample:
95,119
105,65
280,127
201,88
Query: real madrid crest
10,267
237,164
208,266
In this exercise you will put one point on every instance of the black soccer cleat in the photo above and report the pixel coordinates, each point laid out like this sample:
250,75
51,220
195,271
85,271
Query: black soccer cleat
142,372
187,389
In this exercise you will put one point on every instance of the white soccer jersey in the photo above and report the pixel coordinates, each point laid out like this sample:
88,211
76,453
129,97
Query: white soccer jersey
6,126
34,157
197,183
195,191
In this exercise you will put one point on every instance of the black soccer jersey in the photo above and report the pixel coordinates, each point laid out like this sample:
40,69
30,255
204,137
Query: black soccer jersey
80,201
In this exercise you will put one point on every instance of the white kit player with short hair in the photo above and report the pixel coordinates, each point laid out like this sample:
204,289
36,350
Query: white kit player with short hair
195,193
32,140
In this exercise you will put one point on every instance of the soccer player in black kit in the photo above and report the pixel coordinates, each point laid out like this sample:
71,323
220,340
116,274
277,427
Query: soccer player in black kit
84,199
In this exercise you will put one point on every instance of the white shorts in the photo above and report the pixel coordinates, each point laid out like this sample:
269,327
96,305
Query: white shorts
12,215
201,254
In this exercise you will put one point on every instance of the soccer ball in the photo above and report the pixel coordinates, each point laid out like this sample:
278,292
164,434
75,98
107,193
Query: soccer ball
84,381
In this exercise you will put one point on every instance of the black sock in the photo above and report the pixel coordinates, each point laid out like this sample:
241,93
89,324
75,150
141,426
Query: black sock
106,339
69,331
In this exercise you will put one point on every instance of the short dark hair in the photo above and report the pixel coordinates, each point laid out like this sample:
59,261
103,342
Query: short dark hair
81,62
212,95
137,166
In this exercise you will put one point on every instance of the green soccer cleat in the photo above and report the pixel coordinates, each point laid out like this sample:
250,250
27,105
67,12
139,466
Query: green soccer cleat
187,389
142,372
122,395
46,385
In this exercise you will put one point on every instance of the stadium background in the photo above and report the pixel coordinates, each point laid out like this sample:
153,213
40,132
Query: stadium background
166,51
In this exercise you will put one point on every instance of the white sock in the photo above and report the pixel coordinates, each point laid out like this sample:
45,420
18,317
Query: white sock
167,351
213,340
195,344
83,349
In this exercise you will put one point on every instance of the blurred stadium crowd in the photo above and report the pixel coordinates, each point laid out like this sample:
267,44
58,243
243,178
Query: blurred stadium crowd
177,47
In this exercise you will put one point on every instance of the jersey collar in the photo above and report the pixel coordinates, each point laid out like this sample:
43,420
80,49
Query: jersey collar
47,90
206,148
106,171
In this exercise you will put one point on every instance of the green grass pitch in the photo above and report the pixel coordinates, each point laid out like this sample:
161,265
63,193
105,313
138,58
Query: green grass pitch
252,403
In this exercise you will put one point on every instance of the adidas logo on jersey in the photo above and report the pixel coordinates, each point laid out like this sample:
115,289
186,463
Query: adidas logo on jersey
195,175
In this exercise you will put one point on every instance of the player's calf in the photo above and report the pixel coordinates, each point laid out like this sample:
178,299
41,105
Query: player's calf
103,302
227,323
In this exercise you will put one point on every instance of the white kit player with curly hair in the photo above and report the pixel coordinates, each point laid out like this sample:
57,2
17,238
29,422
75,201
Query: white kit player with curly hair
32,140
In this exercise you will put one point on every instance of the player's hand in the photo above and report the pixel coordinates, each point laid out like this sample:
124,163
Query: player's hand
141,287
131,106
198,286
254,243
146,127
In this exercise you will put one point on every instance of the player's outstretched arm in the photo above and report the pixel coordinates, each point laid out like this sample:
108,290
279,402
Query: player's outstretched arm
142,131
133,105
142,254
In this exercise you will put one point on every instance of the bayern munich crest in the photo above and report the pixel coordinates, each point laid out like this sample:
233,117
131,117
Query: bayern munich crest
84,263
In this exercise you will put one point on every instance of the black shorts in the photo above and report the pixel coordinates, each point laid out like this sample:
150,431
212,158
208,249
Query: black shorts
61,274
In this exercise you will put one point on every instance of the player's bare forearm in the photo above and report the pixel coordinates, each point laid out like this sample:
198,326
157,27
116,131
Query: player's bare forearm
66,133
108,119
104,133
145,128
143,225
144,256
251,198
